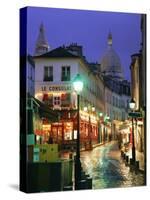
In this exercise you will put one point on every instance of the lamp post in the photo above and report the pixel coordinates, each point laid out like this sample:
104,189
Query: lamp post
106,118
132,106
90,128
100,128
78,86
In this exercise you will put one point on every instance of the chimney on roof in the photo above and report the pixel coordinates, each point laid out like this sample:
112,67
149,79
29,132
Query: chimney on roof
75,48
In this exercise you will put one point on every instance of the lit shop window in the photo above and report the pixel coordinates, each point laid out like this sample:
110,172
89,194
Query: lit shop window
48,73
87,129
65,99
68,130
75,134
65,73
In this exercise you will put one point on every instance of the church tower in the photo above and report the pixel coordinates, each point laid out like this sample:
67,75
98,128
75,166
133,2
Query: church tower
110,39
110,62
41,46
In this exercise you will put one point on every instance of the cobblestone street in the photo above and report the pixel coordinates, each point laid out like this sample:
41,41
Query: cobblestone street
105,165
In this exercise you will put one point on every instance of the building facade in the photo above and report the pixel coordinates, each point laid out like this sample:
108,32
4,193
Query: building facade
102,101
138,93
54,74
117,89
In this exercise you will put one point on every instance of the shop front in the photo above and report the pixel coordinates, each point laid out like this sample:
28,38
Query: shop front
139,134
42,122
88,130
64,132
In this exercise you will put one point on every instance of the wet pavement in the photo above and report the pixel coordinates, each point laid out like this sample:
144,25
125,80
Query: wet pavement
107,169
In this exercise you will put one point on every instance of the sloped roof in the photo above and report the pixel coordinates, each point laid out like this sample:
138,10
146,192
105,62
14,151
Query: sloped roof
59,52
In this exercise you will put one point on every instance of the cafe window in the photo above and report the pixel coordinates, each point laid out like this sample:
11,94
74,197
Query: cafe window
68,130
65,99
113,101
65,73
48,73
56,100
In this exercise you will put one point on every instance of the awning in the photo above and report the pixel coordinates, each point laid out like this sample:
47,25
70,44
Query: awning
45,111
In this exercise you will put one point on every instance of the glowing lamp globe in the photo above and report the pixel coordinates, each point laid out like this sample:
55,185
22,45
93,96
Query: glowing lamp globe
132,104
100,114
78,83
93,108
85,109
108,118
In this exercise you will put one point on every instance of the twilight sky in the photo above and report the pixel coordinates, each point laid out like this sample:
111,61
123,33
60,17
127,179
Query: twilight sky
89,29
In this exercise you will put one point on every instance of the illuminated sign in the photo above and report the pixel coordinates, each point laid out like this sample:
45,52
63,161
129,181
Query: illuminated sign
84,116
87,117
93,119
56,88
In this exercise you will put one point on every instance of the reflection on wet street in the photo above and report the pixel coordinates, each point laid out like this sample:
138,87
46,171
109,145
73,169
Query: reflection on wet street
108,170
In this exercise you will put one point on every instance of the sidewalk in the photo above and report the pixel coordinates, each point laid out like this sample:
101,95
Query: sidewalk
67,154
139,157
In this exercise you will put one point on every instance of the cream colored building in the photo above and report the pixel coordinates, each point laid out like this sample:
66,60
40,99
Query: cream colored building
55,71
117,89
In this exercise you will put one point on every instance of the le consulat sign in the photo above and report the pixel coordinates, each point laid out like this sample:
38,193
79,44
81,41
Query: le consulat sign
56,88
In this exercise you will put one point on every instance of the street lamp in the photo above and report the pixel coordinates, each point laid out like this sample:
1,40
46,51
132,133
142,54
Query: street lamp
100,114
78,86
100,127
89,110
106,119
85,109
93,109
132,106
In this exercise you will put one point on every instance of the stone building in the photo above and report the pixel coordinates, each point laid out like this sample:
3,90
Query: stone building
103,96
117,89
138,91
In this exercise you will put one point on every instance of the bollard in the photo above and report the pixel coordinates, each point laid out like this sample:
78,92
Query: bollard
124,156
137,165
127,159
131,161
122,153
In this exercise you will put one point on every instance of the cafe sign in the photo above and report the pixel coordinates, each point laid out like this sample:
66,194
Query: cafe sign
56,88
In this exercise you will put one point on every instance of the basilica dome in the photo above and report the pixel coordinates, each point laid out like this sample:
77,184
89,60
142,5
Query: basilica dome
110,62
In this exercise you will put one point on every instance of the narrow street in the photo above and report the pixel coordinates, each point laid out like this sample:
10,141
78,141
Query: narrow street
105,165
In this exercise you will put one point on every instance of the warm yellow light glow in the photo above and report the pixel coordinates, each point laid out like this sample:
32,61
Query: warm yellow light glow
39,94
85,109
46,125
93,119
93,108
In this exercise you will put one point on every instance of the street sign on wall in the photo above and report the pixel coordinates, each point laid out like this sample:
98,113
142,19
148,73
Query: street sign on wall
135,114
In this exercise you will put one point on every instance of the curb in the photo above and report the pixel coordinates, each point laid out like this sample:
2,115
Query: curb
129,162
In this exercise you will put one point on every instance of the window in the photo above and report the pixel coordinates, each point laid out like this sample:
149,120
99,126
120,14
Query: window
48,73
127,105
113,100
68,130
56,101
116,102
65,99
127,90
65,74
